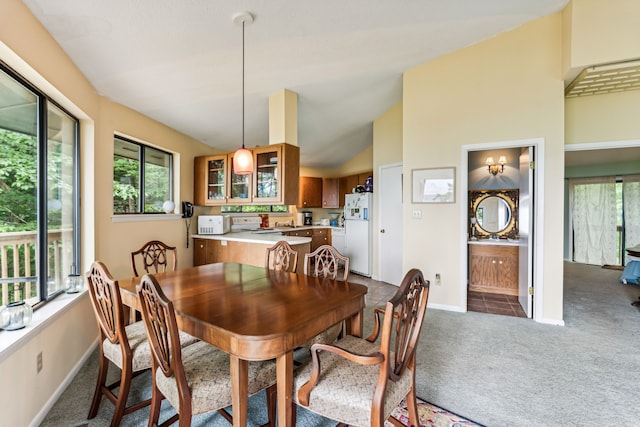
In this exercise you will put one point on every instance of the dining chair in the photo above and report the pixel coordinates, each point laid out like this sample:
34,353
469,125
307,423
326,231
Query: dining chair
155,257
281,257
385,371
195,379
123,345
326,262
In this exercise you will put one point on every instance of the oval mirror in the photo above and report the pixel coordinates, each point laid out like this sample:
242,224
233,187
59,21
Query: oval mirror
493,214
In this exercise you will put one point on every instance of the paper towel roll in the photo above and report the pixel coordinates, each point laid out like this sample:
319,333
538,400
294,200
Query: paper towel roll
300,219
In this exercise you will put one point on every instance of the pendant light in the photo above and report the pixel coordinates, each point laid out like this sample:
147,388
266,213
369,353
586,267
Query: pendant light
243,158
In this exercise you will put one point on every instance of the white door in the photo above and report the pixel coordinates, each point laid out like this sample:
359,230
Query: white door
525,220
390,224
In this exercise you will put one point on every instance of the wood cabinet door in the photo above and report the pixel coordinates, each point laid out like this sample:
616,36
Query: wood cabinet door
493,269
319,237
330,192
210,180
199,252
239,186
310,195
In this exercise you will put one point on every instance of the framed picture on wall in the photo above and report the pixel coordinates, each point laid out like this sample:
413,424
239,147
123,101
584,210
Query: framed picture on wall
436,185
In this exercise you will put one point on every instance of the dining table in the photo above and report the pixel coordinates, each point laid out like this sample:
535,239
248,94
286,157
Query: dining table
253,313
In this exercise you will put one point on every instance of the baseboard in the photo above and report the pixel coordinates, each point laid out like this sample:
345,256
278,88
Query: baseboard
63,386
455,308
551,322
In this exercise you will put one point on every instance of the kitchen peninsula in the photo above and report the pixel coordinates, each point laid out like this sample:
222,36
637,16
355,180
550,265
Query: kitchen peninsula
246,247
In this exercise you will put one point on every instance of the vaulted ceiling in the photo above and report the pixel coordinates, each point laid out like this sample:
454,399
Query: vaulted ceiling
180,62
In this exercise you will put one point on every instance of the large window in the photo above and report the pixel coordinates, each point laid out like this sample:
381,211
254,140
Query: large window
142,177
39,244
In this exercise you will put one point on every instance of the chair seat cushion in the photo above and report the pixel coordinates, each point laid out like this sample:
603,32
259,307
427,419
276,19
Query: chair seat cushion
345,389
139,347
208,374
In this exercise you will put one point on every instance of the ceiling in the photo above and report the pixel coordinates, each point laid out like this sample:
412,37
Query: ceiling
180,62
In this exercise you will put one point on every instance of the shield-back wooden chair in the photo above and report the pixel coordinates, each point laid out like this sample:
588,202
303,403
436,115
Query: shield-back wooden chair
281,257
326,261
385,370
195,379
124,345
155,257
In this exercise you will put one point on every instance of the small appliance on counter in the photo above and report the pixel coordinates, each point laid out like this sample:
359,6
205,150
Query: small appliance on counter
334,219
308,217
214,224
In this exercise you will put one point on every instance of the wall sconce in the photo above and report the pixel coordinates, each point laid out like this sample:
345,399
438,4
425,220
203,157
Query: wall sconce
495,169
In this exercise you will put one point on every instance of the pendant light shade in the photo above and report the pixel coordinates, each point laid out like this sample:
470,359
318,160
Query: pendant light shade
243,158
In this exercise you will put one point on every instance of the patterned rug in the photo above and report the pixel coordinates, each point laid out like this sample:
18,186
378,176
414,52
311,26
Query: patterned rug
431,416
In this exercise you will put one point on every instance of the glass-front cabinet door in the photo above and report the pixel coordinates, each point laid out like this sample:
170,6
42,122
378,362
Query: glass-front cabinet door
268,174
210,175
240,185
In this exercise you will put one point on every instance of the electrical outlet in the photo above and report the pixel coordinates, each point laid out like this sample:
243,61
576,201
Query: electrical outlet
223,243
39,363
438,279
416,214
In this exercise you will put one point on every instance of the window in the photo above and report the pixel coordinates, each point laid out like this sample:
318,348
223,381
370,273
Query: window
142,177
39,174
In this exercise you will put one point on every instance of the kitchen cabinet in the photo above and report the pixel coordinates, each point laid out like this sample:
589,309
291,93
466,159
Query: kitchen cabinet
276,172
348,183
273,182
203,251
319,237
209,180
331,192
493,268
310,192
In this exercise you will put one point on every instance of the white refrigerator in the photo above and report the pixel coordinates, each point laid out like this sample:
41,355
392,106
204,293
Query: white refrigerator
358,230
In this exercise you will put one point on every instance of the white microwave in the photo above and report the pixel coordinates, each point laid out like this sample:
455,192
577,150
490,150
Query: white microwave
214,224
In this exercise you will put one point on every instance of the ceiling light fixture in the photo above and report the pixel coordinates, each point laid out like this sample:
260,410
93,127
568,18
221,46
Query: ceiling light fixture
243,158
499,168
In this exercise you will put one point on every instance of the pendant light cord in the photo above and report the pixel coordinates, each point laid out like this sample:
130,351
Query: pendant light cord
242,84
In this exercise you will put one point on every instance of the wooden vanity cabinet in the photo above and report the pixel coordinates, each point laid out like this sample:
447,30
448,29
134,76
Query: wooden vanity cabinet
493,269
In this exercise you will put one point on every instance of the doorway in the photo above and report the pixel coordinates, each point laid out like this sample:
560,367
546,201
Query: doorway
500,266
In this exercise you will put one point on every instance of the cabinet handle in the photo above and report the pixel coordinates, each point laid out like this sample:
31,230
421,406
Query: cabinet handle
500,262
494,261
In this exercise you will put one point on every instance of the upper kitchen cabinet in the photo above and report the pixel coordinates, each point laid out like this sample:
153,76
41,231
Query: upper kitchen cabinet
331,193
239,186
348,183
210,178
276,172
310,195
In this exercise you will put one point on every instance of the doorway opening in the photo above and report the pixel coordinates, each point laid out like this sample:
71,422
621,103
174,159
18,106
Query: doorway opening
499,216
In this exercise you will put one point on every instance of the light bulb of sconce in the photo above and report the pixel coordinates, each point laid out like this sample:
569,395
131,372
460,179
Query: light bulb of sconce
489,161
502,160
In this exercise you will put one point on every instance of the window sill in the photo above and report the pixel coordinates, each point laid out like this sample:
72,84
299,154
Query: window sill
144,217
10,341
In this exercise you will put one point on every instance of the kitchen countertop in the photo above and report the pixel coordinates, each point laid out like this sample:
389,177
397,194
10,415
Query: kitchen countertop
266,236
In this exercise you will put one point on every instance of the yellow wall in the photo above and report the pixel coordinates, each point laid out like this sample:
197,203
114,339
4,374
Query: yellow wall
27,48
506,88
603,118
604,31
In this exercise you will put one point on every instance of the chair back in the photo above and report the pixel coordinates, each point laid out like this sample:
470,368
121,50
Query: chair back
156,257
107,304
325,262
160,323
281,257
403,318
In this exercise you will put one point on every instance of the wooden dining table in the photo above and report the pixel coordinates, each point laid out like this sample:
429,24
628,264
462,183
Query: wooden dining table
253,313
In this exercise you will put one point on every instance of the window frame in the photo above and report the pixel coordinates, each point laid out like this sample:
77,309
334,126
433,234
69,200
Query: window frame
143,146
42,252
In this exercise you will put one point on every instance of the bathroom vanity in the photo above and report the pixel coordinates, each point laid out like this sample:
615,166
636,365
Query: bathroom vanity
493,267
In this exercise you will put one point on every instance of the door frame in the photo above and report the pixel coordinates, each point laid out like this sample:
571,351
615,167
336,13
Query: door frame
537,217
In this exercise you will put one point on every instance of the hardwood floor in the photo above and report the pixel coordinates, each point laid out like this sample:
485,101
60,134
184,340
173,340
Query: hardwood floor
506,305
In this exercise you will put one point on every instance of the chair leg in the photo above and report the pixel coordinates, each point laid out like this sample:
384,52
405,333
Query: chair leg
156,402
412,407
123,393
100,383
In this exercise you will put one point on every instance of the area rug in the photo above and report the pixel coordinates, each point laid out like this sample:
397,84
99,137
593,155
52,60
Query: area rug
431,416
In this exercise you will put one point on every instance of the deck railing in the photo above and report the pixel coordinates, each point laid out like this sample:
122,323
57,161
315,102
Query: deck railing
18,271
